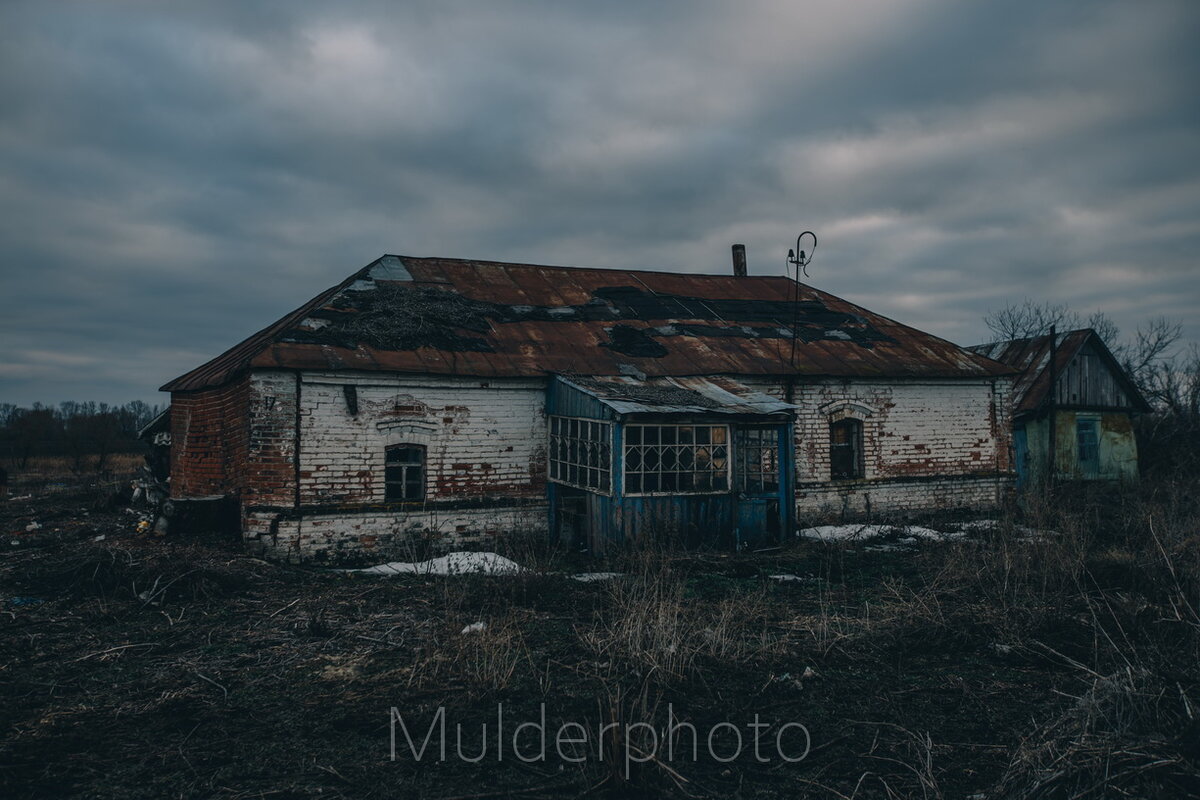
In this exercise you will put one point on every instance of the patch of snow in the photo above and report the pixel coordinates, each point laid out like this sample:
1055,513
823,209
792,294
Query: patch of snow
977,525
842,533
908,534
474,627
589,577
459,563
788,578
33,526
1026,534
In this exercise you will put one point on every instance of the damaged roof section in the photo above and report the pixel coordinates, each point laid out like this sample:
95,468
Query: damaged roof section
628,395
1031,357
447,316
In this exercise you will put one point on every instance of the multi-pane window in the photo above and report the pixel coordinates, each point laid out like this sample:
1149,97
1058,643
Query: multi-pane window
676,459
404,472
580,453
845,449
758,460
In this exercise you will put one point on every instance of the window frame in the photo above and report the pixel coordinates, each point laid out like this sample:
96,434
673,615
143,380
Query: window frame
858,469
603,467
405,467
726,472
1092,424
763,439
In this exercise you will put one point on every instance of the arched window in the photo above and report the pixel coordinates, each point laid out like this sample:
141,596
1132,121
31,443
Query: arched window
845,449
404,472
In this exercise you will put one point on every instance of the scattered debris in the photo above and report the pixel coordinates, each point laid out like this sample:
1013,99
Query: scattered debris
474,627
33,526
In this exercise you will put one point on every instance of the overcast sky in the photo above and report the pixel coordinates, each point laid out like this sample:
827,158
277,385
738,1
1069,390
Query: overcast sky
175,176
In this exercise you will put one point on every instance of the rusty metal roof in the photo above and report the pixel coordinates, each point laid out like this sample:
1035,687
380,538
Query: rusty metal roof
691,395
1031,356
490,319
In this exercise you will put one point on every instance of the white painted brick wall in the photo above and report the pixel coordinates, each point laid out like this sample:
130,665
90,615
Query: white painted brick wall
927,445
482,437
485,440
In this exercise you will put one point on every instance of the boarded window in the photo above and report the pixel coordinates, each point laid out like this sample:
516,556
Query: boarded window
404,472
676,459
758,460
845,449
580,453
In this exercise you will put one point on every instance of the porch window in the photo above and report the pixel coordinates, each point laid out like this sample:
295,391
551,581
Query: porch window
676,459
404,472
758,460
580,454
845,449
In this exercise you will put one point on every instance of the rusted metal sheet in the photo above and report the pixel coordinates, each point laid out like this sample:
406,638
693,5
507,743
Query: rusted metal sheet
691,395
489,319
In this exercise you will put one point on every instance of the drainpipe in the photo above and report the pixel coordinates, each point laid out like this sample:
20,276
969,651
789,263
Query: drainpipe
296,465
1053,412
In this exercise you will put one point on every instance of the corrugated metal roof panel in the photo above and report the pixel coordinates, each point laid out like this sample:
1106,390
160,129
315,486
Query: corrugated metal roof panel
629,395
451,316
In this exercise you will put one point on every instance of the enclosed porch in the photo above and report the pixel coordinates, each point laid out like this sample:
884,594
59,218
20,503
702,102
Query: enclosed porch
702,462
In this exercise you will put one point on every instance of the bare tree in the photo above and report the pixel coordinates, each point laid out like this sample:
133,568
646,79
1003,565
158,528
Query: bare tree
1028,318
1146,358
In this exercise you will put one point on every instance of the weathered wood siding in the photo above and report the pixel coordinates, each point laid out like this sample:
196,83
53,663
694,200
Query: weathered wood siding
1089,382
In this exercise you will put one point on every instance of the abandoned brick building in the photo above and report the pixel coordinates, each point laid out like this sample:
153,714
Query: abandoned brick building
450,399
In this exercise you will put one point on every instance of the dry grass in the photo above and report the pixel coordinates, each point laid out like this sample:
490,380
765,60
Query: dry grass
649,623
1062,665
1121,737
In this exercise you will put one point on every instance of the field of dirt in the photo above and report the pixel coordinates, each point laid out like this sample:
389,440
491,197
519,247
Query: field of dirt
1051,654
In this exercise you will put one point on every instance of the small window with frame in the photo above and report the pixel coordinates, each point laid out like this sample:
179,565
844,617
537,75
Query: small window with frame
404,473
845,449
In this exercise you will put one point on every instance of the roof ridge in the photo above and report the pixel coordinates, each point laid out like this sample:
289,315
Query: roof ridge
578,268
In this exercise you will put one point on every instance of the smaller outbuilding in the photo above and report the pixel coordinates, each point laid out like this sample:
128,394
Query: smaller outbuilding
1086,421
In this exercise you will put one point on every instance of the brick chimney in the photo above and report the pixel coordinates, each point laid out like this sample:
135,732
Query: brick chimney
739,260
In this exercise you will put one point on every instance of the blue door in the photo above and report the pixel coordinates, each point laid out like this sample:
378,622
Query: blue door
761,480
1087,436
1021,456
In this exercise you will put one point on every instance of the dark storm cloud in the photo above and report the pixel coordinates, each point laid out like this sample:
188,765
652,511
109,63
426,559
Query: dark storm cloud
177,176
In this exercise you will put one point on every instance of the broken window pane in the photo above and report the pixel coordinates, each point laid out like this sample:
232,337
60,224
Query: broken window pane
580,455
845,449
675,459
758,460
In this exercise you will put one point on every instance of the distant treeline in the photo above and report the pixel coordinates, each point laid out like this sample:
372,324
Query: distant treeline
85,433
